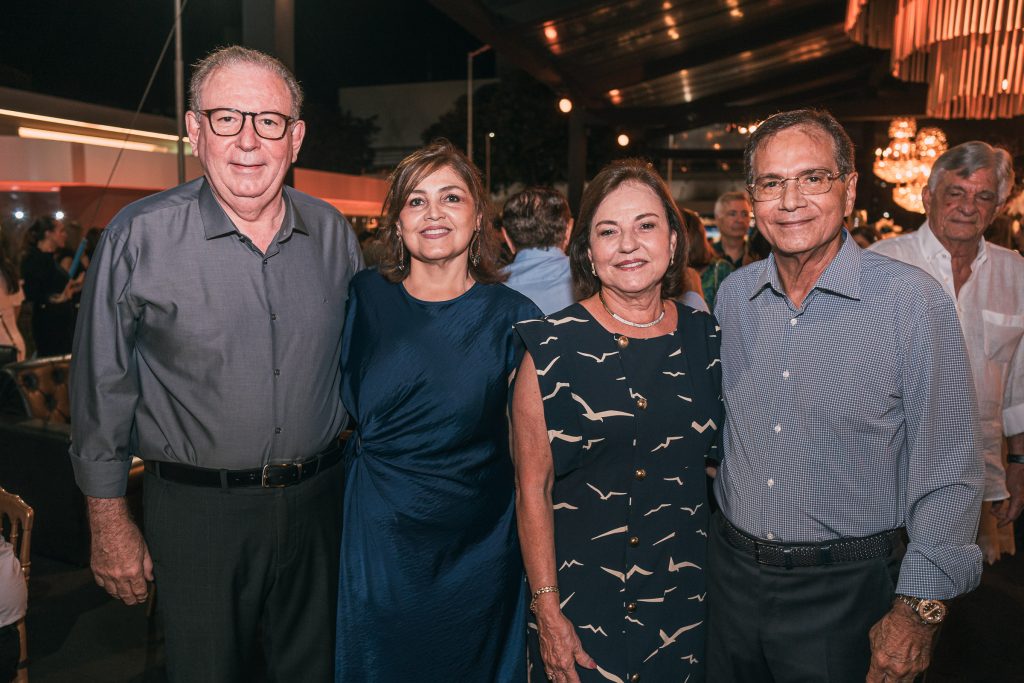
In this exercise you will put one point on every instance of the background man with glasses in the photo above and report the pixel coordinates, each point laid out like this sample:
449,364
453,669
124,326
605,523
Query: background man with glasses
850,417
208,344
967,188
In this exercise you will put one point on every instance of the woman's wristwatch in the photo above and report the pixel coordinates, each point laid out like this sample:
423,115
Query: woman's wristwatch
1015,458
930,612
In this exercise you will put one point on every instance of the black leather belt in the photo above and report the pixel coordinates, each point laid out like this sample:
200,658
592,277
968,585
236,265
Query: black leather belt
791,555
271,475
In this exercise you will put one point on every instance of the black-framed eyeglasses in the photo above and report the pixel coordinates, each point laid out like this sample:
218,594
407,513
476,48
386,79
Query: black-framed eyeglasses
269,125
815,181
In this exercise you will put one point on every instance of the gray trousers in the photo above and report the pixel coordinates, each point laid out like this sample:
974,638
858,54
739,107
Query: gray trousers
247,578
799,625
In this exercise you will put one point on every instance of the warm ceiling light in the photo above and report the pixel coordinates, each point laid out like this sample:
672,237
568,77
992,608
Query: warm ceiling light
623,140
551,33
565,105
83,124
37,134
615,95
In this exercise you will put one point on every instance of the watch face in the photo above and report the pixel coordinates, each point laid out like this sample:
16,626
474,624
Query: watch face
931,611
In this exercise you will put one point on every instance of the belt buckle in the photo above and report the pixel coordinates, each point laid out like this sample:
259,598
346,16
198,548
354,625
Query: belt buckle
267,469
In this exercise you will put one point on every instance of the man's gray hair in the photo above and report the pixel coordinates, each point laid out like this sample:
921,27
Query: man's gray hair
968,158
727,197
236,54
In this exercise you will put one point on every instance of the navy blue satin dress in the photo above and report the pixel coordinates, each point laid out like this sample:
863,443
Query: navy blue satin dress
431,585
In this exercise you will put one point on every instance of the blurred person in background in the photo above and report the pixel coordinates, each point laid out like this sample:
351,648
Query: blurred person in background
13,605
535,224
702,258
865,235
732,216
48,287
11,297
968,186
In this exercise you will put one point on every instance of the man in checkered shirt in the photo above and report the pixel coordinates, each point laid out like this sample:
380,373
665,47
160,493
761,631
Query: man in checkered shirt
851,416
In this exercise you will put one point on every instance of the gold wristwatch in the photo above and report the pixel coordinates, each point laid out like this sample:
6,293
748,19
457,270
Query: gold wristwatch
930,611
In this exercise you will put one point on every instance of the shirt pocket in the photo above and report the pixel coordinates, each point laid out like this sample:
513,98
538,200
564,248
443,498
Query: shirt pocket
1003,334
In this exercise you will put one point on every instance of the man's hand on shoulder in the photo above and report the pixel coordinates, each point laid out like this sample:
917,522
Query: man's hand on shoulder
901,646
120,559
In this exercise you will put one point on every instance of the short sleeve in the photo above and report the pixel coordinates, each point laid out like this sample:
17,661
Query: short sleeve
547,345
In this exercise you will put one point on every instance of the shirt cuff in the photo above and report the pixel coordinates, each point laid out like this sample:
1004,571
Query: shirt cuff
940,573
101,478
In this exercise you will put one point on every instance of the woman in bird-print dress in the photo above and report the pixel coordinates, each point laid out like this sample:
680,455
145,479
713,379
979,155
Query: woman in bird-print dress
616,408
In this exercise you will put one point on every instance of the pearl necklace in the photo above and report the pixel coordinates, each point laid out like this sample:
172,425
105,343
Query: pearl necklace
622,320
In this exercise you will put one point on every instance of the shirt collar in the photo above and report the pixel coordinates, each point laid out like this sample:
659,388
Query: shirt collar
217,224
841,276
538,253
931,248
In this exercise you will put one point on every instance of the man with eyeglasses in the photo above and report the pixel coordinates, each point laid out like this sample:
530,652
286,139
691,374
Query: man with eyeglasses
208,345
967,188
732,216
850,486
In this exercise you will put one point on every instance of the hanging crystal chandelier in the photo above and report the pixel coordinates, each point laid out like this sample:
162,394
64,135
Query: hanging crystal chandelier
906,162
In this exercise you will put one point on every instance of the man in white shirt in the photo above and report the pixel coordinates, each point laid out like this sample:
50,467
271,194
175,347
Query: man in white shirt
968,186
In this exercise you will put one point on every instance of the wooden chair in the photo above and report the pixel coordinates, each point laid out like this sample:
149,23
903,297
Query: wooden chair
16,523
43,385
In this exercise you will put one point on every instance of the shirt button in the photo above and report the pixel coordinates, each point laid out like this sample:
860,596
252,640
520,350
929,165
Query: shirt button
273,316
778,428
769,535
277,430
785,373
264,261
277,372
641,403
622,342
792,321
641,473
635,678
634,541
631,607
771,483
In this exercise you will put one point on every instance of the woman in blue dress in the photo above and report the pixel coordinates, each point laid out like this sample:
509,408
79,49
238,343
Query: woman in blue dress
431,585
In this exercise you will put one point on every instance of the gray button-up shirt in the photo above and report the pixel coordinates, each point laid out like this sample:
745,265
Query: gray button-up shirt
194,347
852,415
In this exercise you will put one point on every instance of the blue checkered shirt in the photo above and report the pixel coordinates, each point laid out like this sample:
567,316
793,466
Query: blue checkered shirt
852,415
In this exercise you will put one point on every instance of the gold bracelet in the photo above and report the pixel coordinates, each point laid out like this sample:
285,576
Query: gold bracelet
539,592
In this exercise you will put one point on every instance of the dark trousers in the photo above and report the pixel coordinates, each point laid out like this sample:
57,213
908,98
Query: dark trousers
806,624
10,652
237,569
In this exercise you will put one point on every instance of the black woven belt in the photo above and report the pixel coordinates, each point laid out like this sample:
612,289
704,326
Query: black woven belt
791,555
271,475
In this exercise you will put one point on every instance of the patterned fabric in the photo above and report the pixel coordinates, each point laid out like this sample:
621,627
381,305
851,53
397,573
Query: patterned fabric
630,422
711,279
852,415
431,586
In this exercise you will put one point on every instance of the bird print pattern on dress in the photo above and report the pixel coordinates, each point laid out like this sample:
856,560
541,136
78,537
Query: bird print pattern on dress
630,425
